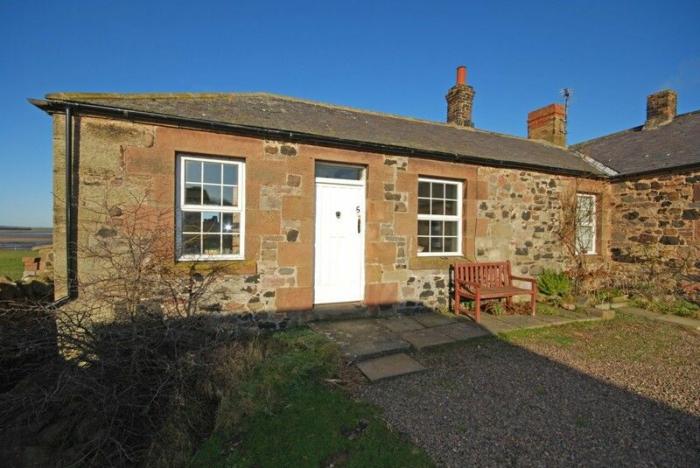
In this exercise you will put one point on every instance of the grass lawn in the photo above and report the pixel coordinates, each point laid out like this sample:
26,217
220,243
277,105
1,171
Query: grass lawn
11,262
286,414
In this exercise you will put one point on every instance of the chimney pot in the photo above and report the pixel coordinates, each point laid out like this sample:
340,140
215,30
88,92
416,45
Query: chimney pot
460,98
661,108
548,123
461,75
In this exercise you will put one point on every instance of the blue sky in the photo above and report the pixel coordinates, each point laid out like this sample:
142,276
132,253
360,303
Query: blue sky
396,57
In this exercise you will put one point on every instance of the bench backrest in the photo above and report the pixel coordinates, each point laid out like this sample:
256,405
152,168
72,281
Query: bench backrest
488,274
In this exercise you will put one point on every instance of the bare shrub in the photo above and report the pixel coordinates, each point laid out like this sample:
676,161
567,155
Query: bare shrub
584,273
134,348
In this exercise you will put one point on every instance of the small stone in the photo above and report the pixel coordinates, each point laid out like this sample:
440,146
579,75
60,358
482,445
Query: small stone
106,232
669,240
271,149
293,180
115,211
691,214
288,150
292,235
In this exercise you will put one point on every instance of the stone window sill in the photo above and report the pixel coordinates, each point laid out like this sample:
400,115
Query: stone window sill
233,267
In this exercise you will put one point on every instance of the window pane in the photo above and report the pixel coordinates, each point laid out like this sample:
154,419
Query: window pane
585,207
191,221
231,244
423,206
436,228
424,244
211,222
228,199
333,171
451,208
584,238
191,244
424,189
231,223
193,194
451,191
436,244
212,173
423,228
438,207
230,174
451,228
211,195
438,190
451,244
211,244
193,171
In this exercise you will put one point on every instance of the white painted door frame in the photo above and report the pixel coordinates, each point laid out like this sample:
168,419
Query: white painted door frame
340,282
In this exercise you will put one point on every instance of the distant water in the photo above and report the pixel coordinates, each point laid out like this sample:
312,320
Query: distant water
16,239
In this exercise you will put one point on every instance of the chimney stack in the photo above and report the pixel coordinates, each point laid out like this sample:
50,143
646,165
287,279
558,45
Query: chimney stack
661,108
548,123
459,100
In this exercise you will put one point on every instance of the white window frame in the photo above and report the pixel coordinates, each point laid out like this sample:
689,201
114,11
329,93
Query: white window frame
183,207
431,217
593,224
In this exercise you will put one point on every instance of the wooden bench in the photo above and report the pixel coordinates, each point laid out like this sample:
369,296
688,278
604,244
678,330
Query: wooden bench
488,280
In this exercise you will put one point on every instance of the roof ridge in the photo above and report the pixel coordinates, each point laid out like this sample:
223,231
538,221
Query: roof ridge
631,129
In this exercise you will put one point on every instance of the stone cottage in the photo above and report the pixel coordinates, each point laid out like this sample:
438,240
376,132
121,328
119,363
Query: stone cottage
306,203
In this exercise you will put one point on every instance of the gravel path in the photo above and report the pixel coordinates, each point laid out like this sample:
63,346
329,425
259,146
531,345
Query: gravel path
493,403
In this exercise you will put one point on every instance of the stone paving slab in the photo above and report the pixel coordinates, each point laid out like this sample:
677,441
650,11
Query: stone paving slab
426,338
433,320
401,324
362,350
389,366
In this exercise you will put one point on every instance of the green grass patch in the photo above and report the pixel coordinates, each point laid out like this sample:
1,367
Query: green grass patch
625,338
284,414
11,262
679,307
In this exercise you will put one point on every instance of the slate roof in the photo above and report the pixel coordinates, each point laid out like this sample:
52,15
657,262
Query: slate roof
636,150
266,111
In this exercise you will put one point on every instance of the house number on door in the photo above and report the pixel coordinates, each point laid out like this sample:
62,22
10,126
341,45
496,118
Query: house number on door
357,210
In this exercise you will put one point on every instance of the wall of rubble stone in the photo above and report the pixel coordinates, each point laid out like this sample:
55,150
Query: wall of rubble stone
656,235
518,218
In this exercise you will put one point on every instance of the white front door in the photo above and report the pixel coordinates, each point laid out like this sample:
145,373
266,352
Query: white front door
340,231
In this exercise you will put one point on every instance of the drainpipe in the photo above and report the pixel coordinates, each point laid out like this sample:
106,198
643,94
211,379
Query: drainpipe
70,211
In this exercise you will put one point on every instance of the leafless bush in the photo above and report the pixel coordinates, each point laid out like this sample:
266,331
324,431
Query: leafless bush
583,272
132,345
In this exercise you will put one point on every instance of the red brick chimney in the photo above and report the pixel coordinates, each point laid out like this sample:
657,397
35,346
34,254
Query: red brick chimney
460,98
661,108
548,123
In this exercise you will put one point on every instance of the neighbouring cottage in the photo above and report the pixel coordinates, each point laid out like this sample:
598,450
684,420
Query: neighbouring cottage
307,203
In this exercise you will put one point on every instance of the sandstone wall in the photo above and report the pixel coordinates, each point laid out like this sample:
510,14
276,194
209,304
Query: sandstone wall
507,214
657,227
